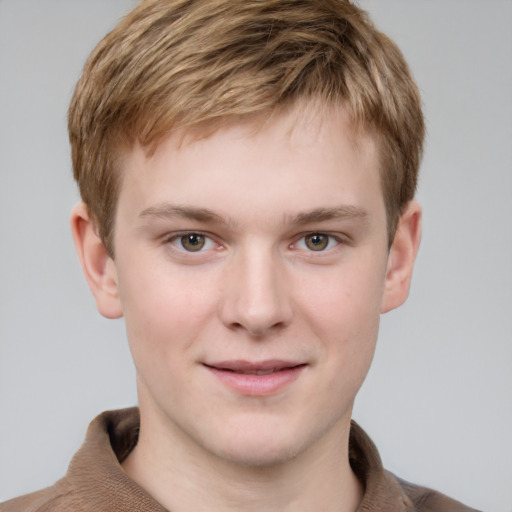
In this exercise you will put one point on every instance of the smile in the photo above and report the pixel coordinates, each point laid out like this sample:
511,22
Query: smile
257,372
256,379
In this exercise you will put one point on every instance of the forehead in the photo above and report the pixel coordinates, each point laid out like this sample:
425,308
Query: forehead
306,155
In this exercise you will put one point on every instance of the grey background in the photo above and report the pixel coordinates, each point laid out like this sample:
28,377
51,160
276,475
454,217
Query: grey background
438,401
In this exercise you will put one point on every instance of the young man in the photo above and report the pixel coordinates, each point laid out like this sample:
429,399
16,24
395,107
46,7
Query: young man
247,171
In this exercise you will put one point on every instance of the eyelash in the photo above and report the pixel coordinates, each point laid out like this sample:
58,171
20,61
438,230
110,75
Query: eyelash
176,240
332,241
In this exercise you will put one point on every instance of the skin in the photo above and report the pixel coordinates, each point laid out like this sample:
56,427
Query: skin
256,291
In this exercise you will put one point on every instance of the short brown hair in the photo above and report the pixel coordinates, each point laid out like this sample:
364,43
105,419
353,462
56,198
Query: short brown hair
183,64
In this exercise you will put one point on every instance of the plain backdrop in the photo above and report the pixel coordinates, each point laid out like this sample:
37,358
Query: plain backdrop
438,400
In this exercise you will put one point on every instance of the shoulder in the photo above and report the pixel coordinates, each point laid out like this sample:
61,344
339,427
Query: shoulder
94,478
57,498
428,500
385,492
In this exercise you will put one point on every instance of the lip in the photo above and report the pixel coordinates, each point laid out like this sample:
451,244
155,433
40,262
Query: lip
262,378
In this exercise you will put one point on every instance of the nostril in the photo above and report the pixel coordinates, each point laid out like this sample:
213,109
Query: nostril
257,331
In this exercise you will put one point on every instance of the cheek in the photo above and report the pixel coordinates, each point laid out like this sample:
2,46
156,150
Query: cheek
164,312
349,336
347,300
343,310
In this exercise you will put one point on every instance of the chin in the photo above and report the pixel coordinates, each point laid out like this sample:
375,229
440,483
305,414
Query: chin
258,453
260,445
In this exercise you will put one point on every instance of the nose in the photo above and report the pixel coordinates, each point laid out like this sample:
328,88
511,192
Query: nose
255,296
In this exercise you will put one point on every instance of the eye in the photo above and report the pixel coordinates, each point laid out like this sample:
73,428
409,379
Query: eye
192,242
317,242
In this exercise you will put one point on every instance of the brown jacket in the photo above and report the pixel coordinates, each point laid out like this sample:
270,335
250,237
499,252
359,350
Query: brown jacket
96,482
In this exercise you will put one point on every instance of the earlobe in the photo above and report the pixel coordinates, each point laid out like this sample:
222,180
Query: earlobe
401,258
98,267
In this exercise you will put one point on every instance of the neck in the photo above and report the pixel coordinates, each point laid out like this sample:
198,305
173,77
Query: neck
183,478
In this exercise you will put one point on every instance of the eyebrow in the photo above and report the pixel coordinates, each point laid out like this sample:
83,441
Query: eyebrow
169,211
345,212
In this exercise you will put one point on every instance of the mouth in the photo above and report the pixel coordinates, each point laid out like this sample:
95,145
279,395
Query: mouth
256,378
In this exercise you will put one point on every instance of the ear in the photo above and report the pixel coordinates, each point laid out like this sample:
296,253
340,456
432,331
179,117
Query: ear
401,258
99,268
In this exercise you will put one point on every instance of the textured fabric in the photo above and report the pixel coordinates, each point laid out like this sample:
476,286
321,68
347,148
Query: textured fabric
96,482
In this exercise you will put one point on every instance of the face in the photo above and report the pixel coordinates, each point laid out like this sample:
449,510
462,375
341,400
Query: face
251,270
